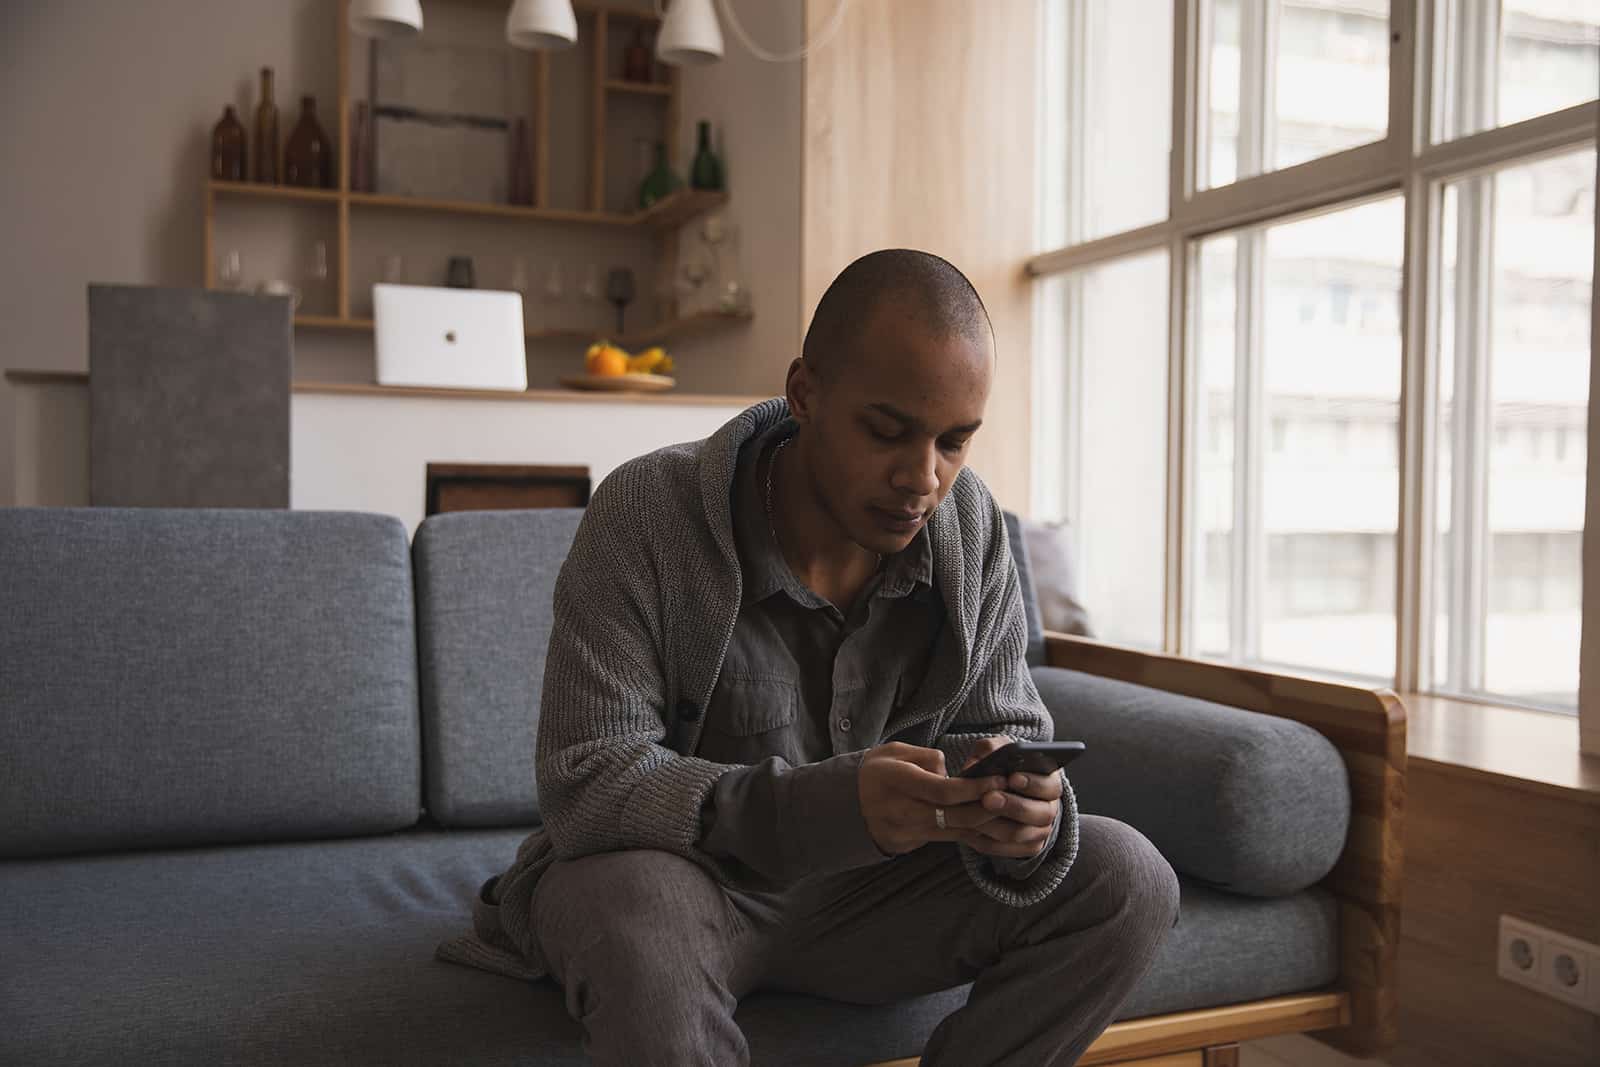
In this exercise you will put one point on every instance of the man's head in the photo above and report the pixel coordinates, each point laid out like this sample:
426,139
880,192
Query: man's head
889,390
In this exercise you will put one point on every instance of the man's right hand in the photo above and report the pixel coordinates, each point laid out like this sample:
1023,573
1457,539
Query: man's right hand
900,786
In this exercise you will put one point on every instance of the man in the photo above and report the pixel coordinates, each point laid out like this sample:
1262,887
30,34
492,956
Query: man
774,650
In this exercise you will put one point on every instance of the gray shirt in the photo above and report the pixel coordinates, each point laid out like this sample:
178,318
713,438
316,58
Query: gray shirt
805,682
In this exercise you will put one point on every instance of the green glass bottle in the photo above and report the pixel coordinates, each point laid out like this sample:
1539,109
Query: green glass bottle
660,182
706,173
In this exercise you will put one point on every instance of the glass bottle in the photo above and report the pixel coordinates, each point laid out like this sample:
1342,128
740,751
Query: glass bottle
315,288
265,146
519,182
660,182
361,149
228,153
706,172
306,156
636,58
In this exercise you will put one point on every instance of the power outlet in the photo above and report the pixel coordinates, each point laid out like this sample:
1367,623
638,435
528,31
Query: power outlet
1550,963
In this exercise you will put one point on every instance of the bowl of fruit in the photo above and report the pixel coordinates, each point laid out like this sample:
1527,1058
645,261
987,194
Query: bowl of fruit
610,368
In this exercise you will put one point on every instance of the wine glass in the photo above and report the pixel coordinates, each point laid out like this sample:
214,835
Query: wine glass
620,291
555,284
230,272
590,289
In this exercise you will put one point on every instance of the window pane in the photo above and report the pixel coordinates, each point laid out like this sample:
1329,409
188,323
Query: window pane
1292,80
1112,100
1513,60
1112,446
1513,413
1296,497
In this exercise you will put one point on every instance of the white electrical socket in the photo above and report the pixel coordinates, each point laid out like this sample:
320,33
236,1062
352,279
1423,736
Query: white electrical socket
1550,963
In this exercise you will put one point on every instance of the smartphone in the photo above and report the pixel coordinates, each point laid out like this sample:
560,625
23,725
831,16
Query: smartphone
1029,757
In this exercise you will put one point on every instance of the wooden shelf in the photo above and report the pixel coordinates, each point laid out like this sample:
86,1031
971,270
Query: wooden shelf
667,214
470,207
679,208
331,322
698,322
617,85
273,192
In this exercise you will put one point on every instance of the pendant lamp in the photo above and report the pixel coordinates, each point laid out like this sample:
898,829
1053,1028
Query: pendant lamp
386,19
690,34
542,25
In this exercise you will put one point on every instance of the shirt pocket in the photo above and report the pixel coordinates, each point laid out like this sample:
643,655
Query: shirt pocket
747,705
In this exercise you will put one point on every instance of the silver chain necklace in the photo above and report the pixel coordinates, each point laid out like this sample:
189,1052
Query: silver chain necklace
772,527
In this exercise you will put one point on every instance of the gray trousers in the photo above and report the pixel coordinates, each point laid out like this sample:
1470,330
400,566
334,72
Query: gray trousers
654,954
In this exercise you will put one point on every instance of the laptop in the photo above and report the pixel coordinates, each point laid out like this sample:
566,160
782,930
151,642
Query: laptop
449,338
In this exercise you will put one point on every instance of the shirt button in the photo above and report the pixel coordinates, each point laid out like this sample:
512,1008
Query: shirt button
844,724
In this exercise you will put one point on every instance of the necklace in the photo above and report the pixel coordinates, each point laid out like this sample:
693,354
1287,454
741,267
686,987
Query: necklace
772,527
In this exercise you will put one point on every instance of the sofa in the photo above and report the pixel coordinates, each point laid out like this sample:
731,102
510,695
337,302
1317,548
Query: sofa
254,764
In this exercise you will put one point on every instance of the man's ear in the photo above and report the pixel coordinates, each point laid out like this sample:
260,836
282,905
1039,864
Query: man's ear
800,388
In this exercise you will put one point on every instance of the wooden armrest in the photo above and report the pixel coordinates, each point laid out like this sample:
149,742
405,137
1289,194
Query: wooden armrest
1368,727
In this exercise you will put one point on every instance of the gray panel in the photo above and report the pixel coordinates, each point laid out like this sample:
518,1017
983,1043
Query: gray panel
173,676
322,954
485,590
188,398
1248,802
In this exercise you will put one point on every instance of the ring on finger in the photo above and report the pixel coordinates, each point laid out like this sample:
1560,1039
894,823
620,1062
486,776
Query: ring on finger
938,817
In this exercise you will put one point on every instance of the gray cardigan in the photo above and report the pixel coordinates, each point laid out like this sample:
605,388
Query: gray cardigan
644,608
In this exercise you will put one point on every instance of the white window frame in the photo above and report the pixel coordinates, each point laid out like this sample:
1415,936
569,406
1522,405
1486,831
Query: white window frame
1405,161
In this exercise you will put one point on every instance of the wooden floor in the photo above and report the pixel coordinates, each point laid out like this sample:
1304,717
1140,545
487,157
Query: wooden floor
1296,1050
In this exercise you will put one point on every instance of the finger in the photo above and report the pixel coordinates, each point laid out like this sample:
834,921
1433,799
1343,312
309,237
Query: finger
946,792
1020,809
1023,849
984,748
959,816
1037,786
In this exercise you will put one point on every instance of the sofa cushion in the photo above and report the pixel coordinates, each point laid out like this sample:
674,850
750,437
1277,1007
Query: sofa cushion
1030,597
1248,802
203,675
322,953
485,588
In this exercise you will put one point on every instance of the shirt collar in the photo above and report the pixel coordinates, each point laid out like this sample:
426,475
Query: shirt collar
766,571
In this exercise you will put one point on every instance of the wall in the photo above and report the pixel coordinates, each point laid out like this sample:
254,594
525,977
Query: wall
919,132
105,146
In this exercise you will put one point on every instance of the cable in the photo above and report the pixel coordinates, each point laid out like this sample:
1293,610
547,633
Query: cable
823,36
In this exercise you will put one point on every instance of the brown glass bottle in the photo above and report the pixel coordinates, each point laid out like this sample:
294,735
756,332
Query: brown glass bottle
306,155
228,149
265,146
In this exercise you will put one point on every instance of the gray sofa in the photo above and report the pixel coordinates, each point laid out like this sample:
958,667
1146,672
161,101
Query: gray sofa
253,764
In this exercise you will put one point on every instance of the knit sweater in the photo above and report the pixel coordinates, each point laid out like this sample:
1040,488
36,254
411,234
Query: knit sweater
645,606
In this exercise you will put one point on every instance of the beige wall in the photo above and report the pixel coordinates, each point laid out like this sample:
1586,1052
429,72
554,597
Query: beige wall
105,136
919,132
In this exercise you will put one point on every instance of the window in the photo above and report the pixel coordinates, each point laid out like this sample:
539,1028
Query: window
1501,63
1314,388
1304,525
1113,405
1513,369
1291,80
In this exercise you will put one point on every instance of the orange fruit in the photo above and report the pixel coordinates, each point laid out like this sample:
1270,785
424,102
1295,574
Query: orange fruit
608,362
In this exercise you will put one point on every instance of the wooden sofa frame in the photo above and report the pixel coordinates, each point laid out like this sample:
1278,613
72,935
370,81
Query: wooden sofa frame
1356,1014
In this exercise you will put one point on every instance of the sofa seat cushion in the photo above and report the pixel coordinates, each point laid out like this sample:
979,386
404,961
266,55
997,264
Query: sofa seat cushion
322,953
1242,801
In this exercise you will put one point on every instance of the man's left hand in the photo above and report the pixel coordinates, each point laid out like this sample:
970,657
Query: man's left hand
1026,808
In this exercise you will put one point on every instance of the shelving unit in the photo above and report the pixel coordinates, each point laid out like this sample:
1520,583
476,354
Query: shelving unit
660,222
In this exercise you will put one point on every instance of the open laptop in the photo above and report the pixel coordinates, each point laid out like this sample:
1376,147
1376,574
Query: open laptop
451,338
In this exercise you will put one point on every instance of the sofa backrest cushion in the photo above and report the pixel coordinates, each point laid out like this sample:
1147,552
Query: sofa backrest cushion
1243,801
485,591
1030,595
187,676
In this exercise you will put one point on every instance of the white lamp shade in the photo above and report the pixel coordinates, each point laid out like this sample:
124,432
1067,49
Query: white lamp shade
386,18
690,34
542,24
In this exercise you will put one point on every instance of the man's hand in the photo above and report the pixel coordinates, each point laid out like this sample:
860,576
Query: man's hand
901,786
1023,808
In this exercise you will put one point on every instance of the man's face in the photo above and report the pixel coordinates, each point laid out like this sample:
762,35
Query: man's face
890,425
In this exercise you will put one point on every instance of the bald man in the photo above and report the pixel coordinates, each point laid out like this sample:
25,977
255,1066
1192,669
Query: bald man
774,651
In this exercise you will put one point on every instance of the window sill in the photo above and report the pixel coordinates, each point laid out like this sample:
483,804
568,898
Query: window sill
1533,750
